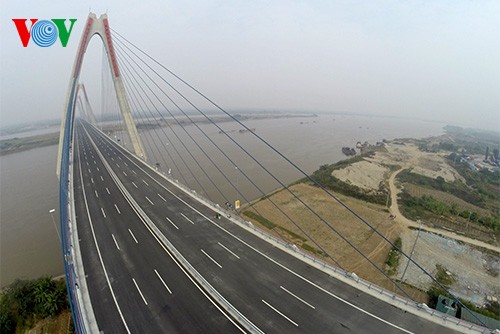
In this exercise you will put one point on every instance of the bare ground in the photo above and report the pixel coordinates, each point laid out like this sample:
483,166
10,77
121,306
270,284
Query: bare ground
341,220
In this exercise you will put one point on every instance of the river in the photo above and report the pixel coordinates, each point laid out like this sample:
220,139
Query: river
29,244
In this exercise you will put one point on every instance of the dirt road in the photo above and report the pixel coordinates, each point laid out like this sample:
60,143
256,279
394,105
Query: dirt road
394,209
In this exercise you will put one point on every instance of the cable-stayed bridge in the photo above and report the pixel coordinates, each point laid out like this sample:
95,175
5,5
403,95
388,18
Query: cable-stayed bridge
153,243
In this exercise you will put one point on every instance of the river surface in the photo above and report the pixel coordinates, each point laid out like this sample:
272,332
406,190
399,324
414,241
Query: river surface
30,246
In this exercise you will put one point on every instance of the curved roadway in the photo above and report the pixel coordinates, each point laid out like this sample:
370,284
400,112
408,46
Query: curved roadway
136,285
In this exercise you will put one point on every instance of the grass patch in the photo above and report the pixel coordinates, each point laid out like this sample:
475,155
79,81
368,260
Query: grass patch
393,258
313,250
263,221
443,277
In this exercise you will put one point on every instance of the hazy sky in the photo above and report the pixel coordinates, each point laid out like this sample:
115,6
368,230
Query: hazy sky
435,60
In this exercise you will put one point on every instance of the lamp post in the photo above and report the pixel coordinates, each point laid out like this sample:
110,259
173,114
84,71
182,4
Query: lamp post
413,248
51,211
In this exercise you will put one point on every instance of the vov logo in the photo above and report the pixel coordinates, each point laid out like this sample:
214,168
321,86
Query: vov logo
44,32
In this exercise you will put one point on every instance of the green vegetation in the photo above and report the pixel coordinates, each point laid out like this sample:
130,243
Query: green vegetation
270,225
324,177
484,182
393,258
313,250
455,188
443,277
25,302
420,207
491,309
250,214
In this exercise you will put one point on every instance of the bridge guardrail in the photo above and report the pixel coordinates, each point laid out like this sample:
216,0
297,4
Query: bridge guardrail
349,278
403,302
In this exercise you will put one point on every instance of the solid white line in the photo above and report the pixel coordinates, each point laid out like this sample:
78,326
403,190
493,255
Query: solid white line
96,195
211,259
99,253
271,259
108,191
102,210
124,173
171,222
149,200
140,292
162,198
102,178
133,236
302,300
116,243
284,316
161,279
145,183
189,220
134,184
230,251
117,209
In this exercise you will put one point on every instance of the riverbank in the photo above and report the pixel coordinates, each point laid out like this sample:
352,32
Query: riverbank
368,185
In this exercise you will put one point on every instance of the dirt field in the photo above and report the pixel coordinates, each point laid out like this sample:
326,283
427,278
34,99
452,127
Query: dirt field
475,273
364,174
340,219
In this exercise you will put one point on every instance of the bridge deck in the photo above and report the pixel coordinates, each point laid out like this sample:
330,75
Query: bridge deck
272,289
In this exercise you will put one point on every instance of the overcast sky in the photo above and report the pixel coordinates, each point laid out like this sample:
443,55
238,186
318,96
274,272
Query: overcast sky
434,60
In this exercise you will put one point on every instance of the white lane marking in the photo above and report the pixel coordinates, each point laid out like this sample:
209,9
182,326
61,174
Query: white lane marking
102,210
162,197
276,310
112,159
297,297
89,170
149,200
272,260
120,158
99,254
94,162
218,265
161,279
140,292
125,164
117,209
230,251
134,184
171,222
97,168
133,236
116,243
117,165
108,191
124,173
92,180
87,162
102,178
96,194
145,183
133,171
189,220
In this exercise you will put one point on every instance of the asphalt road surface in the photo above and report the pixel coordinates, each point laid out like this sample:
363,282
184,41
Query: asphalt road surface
137,286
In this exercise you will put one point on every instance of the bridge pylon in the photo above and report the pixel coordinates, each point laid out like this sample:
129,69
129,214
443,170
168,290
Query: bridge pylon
98,26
